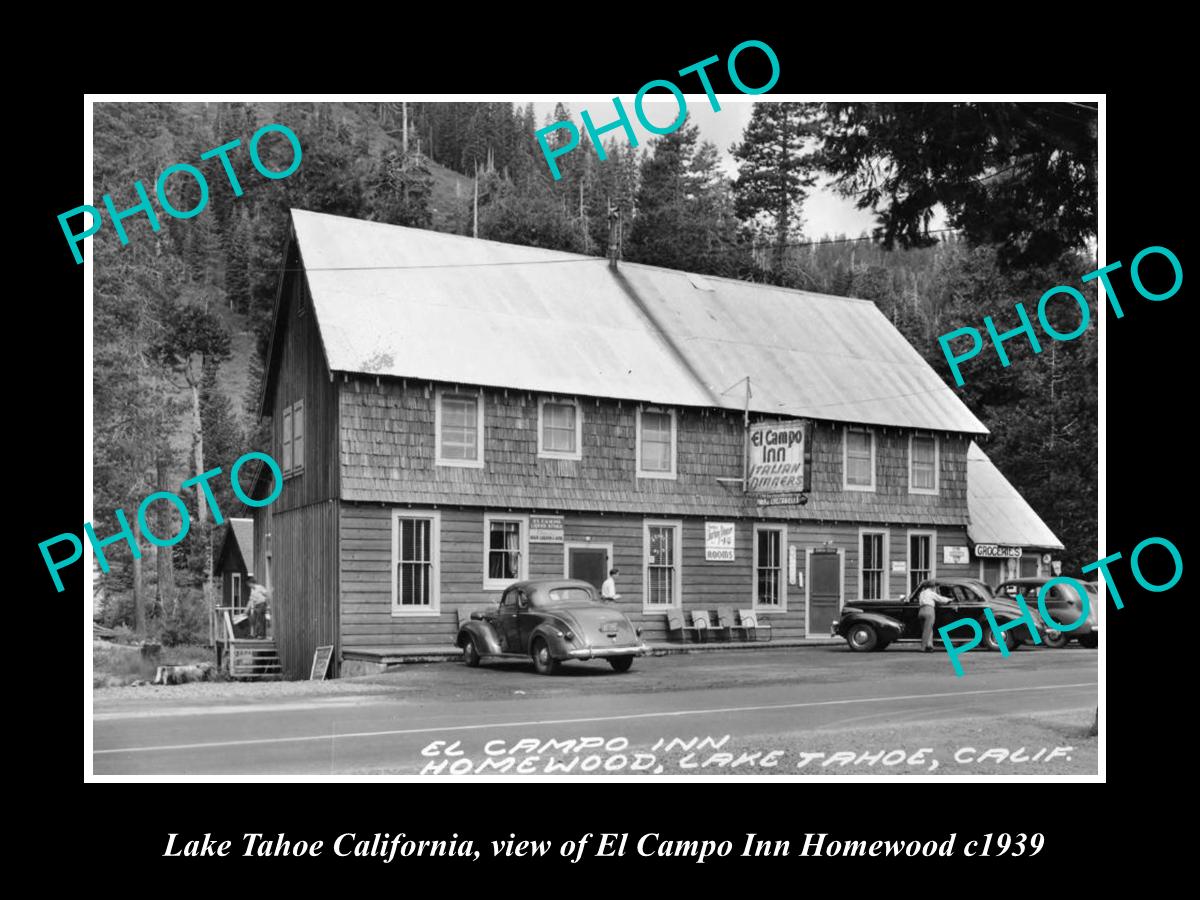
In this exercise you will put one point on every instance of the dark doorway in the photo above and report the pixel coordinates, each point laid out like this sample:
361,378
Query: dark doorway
824,590
589,564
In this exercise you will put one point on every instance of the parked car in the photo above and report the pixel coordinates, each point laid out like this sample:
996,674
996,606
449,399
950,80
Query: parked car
874,624
551,621
1063,604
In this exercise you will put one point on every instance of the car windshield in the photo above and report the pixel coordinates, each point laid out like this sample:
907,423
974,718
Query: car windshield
560,595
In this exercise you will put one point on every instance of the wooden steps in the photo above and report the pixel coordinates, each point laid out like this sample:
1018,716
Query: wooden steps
256,661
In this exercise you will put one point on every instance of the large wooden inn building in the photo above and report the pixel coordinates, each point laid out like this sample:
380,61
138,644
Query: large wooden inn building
454,414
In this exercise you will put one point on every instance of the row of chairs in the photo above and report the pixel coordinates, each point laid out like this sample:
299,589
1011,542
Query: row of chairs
752,626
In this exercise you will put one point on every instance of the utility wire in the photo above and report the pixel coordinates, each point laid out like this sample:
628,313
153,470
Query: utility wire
585,259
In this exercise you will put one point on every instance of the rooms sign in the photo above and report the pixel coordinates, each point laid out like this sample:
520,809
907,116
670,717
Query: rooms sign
779,457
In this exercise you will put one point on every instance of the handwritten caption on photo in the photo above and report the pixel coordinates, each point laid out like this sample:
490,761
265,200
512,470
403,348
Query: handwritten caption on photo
541,756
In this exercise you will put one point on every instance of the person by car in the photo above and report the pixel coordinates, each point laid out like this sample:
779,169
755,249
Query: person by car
928,600
608,590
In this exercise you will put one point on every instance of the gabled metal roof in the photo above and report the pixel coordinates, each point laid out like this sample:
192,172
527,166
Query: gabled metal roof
240,534
422,304
998,514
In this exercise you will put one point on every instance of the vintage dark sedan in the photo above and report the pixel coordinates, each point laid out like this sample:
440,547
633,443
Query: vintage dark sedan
874,624
549,622
1063,604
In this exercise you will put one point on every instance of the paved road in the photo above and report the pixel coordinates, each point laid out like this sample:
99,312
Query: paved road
772,712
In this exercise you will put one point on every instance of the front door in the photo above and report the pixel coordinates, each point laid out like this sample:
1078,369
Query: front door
824,590
588,564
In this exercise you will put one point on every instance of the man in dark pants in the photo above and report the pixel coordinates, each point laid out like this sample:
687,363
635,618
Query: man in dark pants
928,600
260,600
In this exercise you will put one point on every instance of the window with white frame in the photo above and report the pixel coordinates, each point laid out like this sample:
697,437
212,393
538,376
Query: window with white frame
459,427
656,443
922,564
293,439
560,429
662,553
922,464
872,565
505,550
858,459
770,585
416,578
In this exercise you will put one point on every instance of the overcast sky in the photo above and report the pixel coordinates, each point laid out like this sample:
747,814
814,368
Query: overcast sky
825,213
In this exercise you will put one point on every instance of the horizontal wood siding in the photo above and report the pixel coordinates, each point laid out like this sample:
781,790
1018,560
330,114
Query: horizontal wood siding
304,599
366,574
388,455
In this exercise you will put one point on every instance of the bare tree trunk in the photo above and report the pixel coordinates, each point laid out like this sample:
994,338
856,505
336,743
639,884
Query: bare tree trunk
139,593
201,504
162,555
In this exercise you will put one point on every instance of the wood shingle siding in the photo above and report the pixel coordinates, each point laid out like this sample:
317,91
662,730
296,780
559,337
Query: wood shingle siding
387,455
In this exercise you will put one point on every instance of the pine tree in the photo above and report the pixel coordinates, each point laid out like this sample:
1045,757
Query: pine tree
684,217
772,174
237,279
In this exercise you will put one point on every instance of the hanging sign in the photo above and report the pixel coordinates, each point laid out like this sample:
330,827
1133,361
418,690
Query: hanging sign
777,457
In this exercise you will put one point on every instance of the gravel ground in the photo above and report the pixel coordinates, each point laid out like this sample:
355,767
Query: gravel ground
451,680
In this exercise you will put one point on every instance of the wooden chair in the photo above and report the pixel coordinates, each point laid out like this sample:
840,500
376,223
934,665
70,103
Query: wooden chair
701,623
750,621
726,622
675,623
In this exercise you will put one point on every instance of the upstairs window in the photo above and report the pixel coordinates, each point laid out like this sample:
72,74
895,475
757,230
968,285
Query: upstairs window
922,464
656,443
293,439
858,460
459,429
559,429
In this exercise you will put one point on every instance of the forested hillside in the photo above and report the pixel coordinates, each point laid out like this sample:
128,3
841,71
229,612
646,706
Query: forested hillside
181,316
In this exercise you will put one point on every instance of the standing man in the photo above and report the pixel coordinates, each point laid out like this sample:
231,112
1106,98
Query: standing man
608,590
928,600
260,600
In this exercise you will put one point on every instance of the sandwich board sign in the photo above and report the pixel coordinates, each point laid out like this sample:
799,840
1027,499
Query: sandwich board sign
320,664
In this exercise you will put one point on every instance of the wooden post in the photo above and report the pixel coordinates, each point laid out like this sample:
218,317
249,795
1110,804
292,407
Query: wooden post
746,438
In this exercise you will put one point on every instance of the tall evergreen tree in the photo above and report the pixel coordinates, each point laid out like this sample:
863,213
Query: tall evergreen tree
683,218
772,177
1021,176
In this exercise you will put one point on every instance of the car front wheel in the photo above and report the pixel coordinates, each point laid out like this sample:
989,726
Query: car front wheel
542,660
470,652
1089,641
1056,639
862,638
993,643
620,663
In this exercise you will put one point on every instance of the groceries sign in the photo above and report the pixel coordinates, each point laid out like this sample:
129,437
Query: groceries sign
778,457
